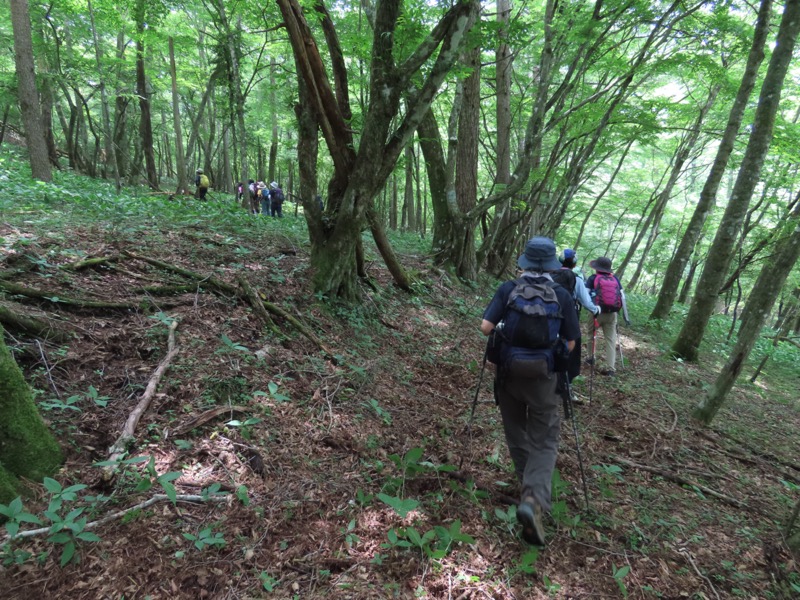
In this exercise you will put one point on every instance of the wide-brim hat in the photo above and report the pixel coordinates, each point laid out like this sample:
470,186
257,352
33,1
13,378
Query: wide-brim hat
261,185
539,255
602,264
274,185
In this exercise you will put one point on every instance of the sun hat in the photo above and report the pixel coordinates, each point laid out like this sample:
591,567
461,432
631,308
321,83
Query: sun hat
261,185
274,185
199,171
602,264
539,255
567,255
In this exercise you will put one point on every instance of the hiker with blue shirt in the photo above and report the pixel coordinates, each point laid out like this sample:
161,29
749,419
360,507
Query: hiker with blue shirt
574,283
532,322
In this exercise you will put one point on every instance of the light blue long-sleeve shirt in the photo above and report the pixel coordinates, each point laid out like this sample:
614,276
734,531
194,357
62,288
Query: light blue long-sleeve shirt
583,297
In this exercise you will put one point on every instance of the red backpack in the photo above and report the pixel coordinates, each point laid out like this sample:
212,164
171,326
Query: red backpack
608,294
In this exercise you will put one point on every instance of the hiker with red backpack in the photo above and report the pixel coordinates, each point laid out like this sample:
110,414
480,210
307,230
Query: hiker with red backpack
533,325
608,295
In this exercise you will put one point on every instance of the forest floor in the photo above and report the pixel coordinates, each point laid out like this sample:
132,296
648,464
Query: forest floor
352,474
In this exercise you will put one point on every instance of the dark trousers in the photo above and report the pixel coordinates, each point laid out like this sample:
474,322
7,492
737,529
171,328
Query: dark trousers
276,209
574,367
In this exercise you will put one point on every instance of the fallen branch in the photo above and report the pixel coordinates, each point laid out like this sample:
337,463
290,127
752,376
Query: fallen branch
674,477
117,450
120,513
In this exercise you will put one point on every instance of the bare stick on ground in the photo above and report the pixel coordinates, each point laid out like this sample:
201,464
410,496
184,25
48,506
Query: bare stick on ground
121,513
117,450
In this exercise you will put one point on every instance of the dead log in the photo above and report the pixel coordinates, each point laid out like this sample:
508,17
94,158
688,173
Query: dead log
117,450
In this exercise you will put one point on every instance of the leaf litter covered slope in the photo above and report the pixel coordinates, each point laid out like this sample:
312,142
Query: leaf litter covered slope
315,440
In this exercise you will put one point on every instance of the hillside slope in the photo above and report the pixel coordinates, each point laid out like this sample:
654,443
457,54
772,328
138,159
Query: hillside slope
339,469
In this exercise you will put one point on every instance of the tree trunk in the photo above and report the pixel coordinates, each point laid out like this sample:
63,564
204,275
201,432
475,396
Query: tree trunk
359,175
180,159
759,304
464,259
409,214
705,204
273,142
721,251
28,94
27,448
145,118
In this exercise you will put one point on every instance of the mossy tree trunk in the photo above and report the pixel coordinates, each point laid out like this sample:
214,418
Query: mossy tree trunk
27,448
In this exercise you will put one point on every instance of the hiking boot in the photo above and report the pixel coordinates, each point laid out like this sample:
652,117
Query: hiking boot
589,361
608,372
575,398
529,513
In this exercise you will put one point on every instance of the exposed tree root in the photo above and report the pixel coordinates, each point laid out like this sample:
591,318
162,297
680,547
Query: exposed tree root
121,513
21,290
674,477
31,326
257,304
205,417
90,262
117,450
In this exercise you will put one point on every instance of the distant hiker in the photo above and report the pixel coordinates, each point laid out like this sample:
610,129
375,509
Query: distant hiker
276,200
201,183
240,191
608,295
532,320
253,200
320,203
574,284
263,197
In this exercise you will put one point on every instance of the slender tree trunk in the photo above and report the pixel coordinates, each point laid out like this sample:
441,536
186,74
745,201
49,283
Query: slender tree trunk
705,204
721,251
409,214
759,304
180,159
273,103
145,118
28,94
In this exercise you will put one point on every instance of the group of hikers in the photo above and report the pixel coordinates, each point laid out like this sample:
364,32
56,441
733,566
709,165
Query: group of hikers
535,344
263,200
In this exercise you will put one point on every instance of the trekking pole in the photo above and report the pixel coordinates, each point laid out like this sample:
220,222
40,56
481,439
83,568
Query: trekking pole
468,441
619,347
593,359
569,411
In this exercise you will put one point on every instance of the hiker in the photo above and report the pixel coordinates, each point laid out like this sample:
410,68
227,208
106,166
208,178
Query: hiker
608,295
252,201
276,200
263,197
525,379
320,203
240,191
574,283
201,183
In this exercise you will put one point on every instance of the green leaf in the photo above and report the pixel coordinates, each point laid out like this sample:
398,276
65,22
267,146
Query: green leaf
88,536
15,506
414,536
12,527
401,507
622,572
52,485
412,456
169,490
60,538
67,553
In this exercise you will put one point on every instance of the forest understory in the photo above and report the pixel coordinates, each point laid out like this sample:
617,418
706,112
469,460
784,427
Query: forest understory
326,448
